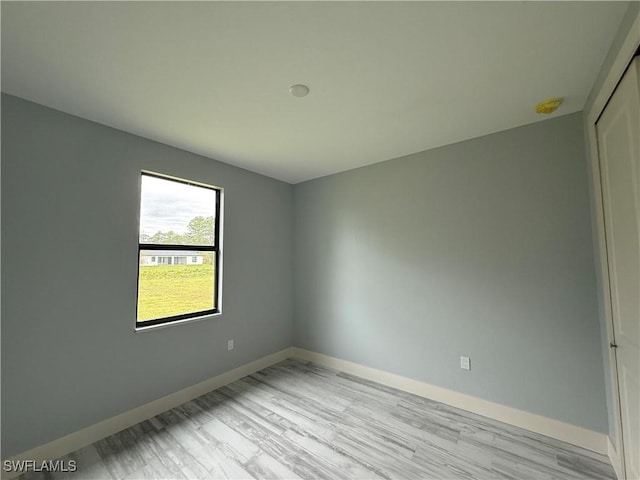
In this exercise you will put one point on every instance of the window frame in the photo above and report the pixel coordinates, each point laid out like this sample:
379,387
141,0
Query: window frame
215,248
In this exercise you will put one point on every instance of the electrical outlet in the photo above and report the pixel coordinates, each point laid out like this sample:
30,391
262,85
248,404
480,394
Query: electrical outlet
230,344
465,363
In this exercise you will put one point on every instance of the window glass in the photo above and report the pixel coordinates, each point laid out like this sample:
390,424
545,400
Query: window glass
178,256
176,213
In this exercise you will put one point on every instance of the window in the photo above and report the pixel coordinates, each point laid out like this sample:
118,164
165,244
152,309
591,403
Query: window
164,260
179,220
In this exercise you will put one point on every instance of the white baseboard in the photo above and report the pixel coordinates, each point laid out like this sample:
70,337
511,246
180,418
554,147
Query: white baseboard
566,432
615,458
76,440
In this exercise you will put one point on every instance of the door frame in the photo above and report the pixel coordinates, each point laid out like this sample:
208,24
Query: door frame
622,60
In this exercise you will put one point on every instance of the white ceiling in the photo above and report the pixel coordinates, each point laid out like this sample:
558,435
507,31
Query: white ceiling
386,78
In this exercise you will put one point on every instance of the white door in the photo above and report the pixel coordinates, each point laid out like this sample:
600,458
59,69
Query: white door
619,152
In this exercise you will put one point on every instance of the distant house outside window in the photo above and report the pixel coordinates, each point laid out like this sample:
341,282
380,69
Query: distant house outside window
179,252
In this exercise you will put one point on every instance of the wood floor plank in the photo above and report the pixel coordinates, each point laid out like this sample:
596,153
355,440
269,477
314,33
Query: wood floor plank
300,420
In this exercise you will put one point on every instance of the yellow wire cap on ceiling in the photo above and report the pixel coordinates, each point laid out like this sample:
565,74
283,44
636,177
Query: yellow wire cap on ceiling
549,106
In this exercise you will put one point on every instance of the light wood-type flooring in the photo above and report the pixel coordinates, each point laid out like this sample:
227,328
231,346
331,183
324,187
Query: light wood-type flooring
300,420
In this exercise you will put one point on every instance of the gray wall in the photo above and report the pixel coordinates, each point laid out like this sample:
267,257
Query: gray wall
481,248
625,26
70,356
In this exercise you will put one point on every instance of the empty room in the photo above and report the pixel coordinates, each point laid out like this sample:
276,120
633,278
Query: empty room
320,240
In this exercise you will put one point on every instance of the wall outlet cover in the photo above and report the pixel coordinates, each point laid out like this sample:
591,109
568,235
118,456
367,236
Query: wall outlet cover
465,363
